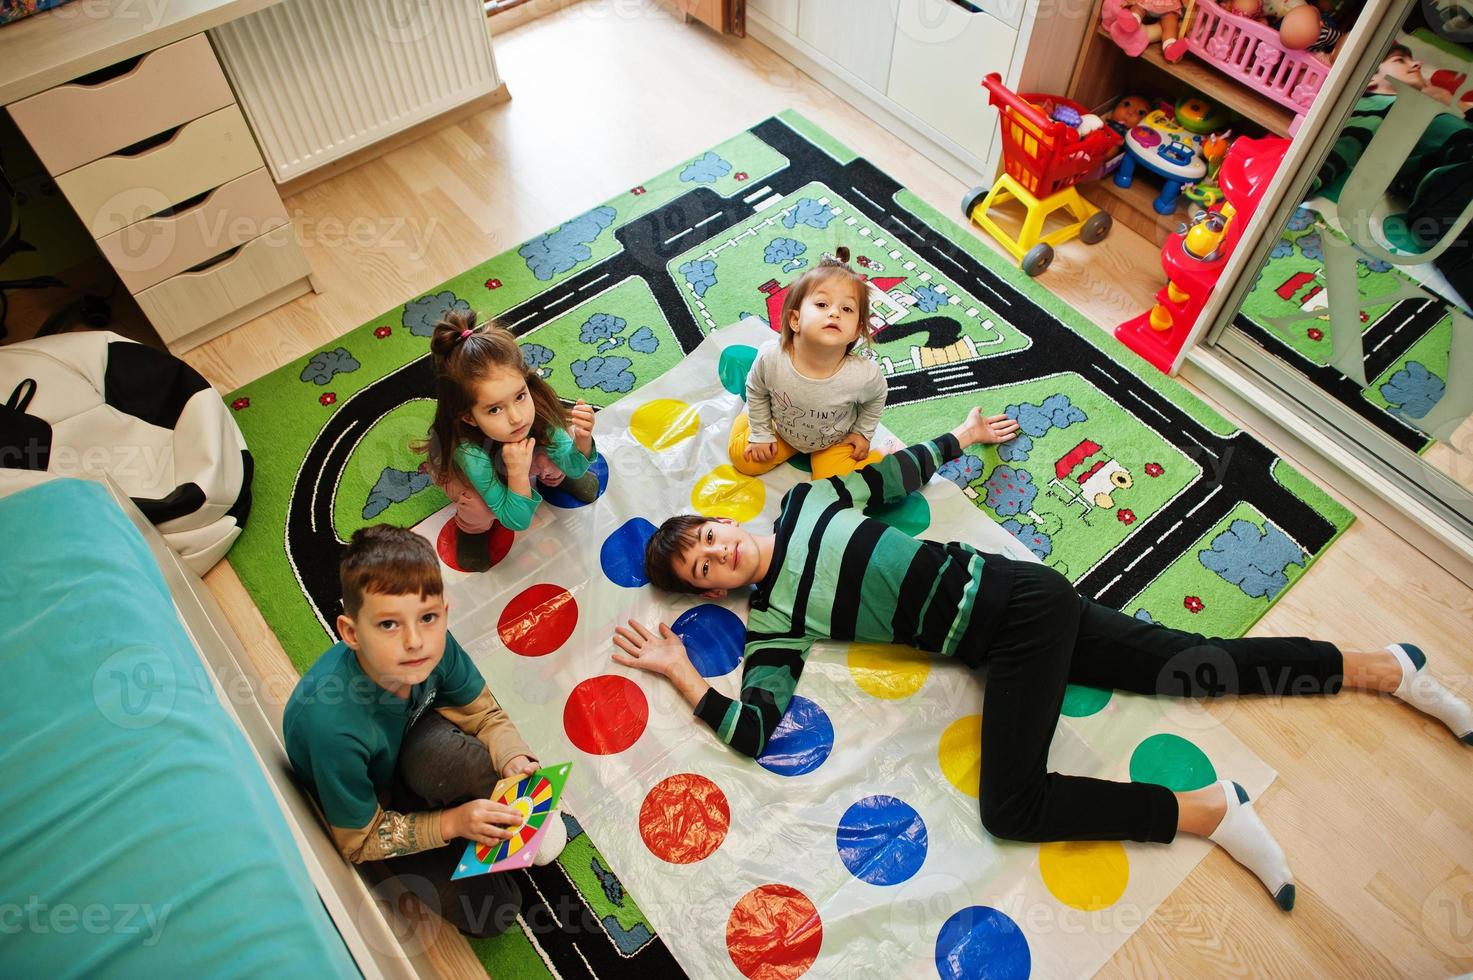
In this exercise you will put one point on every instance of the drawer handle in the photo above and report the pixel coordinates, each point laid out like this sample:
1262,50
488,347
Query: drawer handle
149,143
187,205
210,263
970,8
119,70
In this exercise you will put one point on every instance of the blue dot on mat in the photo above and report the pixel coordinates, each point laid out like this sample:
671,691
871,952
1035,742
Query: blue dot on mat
713,636
981,943
622,554
882,840
801,742
558,498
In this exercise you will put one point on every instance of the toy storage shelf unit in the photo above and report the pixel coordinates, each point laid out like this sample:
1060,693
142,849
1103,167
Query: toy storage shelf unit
1229,61
916,66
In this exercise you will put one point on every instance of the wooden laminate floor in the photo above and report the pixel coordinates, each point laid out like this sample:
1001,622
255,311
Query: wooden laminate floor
1374,804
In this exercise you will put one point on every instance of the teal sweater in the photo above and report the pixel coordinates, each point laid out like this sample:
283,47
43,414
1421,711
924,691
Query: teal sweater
513,509
837,574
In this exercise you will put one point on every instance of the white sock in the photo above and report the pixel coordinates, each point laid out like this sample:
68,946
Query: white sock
1243,835
554,839
1422,691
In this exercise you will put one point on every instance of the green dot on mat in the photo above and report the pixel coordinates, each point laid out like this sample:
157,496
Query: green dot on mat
1081,701
1173,762
911,515
735,362
799,461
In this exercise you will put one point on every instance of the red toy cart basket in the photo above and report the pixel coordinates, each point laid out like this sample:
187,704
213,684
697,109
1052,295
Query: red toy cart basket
1043,159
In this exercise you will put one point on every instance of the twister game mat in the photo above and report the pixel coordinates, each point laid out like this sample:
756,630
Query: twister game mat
853,846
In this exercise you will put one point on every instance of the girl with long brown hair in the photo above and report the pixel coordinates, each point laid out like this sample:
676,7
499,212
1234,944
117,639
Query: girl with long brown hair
499,431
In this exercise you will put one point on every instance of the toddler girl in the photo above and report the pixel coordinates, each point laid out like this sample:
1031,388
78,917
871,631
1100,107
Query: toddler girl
499,430
809,392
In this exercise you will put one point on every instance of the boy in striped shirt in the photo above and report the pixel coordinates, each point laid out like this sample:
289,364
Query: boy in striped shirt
829,572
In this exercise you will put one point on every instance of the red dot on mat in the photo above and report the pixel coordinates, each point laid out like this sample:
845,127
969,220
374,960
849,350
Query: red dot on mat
605,714
500,543
774,933
539,620
684,818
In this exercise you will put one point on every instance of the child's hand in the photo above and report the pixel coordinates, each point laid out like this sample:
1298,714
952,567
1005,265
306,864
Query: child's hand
518,455
858,446
988,430
643,649
519,766
582,419
759,452
481,821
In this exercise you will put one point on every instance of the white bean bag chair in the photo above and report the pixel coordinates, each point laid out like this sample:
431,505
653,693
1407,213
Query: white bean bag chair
146,419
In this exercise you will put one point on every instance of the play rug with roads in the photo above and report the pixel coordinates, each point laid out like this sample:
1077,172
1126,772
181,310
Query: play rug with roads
1140,493
1406,338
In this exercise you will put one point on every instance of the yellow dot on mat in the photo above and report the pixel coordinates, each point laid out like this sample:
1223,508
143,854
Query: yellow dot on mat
662,423
726,493
888,670
1085,875
960,753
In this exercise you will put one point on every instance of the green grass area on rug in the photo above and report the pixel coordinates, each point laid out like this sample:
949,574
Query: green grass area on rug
1406,331
1142,494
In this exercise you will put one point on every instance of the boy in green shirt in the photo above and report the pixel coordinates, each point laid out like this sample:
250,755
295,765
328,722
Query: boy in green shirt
397,781
829,572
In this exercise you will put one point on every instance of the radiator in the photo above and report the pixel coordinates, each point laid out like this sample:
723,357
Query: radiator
319,79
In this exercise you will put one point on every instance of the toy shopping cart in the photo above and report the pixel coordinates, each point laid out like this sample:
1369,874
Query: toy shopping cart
1043,158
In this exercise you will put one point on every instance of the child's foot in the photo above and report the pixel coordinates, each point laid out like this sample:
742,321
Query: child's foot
1422,691
584,489
554,839
1243,835
472,551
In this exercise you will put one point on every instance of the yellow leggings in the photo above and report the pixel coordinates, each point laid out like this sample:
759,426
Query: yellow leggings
833,461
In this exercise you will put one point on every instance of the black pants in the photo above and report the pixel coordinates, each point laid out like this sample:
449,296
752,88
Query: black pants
441,766
1052,636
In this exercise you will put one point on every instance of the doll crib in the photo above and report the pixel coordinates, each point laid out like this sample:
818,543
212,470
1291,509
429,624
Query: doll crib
1250,52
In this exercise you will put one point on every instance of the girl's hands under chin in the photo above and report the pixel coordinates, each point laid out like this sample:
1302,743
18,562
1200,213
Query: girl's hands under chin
518,455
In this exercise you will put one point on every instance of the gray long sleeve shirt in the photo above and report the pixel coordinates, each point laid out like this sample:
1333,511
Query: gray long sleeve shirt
812,414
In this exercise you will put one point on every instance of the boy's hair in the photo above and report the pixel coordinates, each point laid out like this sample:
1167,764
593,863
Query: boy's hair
836,267
463,355
387,560
662,551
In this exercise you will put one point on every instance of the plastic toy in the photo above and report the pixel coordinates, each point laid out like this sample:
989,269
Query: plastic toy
1042,160
1193,257
1163,147
1205,192
1198,115
1253,54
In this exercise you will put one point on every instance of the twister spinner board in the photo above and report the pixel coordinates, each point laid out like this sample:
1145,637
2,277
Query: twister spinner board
535,796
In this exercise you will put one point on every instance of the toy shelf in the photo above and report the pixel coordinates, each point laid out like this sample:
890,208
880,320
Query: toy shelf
1104,72
1259,108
